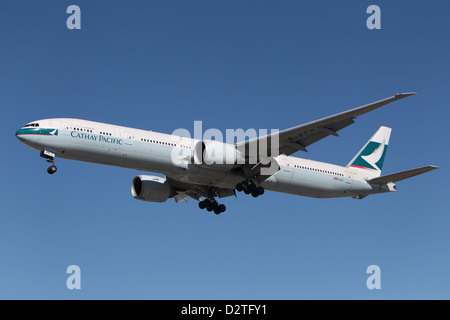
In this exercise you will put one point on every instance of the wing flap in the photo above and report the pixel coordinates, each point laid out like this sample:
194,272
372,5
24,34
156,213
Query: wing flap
319,134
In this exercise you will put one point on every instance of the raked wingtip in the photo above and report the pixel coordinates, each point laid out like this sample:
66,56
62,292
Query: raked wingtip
404,95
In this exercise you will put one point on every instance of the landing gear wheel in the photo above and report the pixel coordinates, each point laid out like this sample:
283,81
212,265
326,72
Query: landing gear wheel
219,209
210,203
52,169
260,191
249,187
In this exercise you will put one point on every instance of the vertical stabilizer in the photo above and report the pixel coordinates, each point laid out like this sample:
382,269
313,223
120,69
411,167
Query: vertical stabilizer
371,157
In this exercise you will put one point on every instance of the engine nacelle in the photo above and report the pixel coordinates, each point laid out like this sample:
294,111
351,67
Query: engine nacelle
217,155
151,189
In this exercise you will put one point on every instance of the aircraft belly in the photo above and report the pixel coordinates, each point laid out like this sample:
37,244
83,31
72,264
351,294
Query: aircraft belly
310,184
363,188
204,176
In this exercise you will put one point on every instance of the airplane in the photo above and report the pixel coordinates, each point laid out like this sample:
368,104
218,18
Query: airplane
205,170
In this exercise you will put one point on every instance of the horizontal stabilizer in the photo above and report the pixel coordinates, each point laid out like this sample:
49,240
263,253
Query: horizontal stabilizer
394,177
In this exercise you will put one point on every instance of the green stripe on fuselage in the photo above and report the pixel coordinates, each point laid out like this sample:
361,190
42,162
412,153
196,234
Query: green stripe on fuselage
37,131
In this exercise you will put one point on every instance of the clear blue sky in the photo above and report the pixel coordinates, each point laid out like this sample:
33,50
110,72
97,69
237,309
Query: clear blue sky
160,65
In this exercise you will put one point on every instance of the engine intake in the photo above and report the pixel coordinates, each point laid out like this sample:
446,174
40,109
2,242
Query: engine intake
151,189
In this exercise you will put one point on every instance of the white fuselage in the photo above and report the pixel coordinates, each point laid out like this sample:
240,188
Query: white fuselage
155,152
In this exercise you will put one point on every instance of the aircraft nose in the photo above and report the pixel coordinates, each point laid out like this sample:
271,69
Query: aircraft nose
18,135
24,136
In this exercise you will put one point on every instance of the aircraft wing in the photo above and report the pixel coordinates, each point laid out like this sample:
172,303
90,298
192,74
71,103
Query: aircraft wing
298,138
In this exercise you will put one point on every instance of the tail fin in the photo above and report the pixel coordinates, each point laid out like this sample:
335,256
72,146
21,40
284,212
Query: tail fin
371,157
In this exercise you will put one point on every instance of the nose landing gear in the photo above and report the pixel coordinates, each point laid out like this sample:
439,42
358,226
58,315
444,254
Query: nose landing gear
52,169
50,156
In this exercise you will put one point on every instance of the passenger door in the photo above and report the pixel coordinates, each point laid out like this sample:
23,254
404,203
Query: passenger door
65,128
128,136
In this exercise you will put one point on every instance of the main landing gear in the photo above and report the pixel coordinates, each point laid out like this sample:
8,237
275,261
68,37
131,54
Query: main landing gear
211,204
50,156
249,187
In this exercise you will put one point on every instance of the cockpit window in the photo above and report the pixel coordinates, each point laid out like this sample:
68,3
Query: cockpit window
32,125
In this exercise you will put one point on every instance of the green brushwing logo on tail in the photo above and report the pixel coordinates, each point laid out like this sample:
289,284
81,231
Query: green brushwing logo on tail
372,157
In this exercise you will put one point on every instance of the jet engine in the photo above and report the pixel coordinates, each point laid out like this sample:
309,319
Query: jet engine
217,155
151,189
